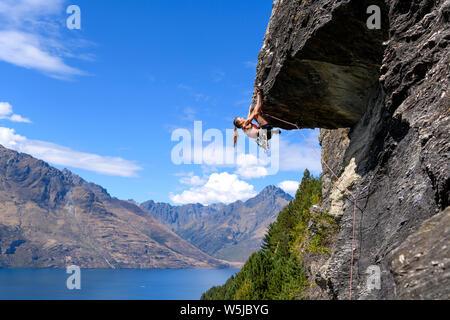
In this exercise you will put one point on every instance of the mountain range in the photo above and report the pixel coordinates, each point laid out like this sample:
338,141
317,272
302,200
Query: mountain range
229,232
53,218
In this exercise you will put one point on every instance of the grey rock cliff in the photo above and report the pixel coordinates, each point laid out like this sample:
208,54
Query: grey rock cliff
385,93
421,264
325,48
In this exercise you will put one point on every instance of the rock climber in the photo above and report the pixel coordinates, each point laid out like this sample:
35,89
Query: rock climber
262,131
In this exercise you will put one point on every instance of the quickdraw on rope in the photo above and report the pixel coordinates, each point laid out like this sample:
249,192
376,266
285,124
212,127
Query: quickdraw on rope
355,198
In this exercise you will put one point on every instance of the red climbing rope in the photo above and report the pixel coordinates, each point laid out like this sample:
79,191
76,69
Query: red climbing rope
353,248
355,198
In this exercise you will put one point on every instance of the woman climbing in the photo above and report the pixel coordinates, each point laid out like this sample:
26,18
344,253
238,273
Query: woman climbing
261,132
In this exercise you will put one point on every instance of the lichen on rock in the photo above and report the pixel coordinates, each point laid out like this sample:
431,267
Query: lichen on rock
339,196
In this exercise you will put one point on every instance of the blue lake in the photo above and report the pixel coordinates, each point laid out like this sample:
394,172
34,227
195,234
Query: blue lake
111,284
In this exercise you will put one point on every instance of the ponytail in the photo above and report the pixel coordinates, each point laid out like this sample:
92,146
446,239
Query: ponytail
235,136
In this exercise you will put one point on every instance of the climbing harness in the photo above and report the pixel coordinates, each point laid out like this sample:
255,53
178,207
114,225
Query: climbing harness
354,197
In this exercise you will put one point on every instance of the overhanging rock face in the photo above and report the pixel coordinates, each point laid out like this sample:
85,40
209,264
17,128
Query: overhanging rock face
317,65
319,61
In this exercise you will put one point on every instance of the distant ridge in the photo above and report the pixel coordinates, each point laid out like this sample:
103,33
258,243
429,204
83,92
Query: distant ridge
230,232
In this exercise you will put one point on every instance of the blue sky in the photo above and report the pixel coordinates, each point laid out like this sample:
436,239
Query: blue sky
103,101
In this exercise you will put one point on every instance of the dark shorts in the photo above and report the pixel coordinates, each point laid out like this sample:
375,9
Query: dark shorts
269,128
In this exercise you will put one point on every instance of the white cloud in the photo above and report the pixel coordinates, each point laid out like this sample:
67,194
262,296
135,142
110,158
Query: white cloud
26,50
6,113
252,172
5,108
249,162
289,186
246,165
191,180
220,188
227,187
30,37
292,157
22,9
64,156
19,118
249,166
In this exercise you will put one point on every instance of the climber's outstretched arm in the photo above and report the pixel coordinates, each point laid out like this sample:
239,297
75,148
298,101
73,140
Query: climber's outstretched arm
252,114
250,110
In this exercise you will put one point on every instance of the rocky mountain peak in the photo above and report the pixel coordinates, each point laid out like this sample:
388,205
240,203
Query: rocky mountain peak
274,191
230,232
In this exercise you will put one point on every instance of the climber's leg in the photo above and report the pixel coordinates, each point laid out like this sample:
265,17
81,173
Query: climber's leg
276,131
270,130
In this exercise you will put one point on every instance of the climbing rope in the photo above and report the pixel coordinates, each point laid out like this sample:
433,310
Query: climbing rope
355,198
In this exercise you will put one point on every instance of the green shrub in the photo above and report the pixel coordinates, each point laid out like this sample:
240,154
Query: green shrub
276,271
